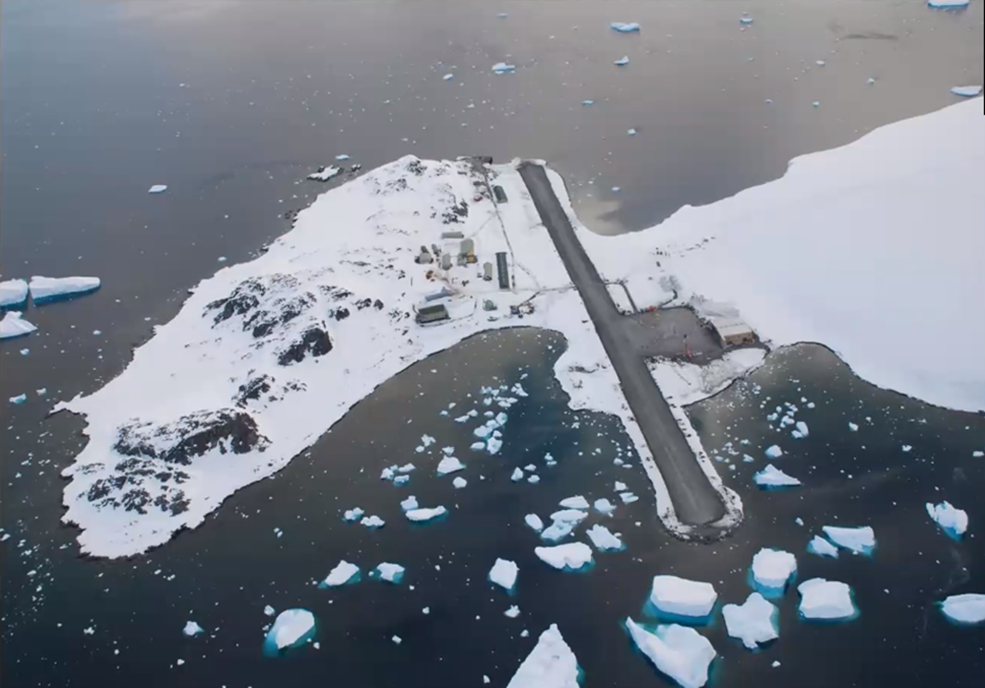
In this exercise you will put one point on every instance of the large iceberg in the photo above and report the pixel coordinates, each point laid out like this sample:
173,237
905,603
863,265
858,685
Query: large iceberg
551,664
679,652
952,520
573,555
291,628
45,289
825,600
861,540
503,573
772,569
13,325
13,293
753,622
683,597
967,609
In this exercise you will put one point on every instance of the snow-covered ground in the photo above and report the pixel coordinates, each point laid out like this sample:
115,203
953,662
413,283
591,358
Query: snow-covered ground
871,249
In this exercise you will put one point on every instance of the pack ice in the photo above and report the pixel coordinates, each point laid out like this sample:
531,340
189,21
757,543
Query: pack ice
966,609
13,326
13,293
826,600
683,597
291,628
679,652
952,520
860,540
772,568
572,555
44,289
551,664
753,622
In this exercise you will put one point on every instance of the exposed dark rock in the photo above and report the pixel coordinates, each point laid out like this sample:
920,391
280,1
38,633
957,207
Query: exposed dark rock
135,500
341,313
252,389
415,167
315,342
364,303
455,213
281,312
192,435
378,305
245,297
249,293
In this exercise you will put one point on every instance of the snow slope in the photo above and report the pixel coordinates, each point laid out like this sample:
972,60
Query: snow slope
873,249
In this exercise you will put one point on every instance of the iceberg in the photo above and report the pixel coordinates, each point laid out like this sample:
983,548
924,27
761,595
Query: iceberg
192,629
401,480
493,444
772,568
622,61
967,609
291,628
822,547
856,540
625,27
952,521
13,326
477,446
802,428
341,574
578,502
325,173
158,188
826,600
353,514
683,597
947,4
774,452
771,476
423,515
679,652
572,516
449,464
534,479
572,556
503,573
551,664
409,504
620,487
745,20
46,289
557,531
459,482
754,622
503,68
13,293
391,573
853,427
603,539
966,91
512,612
534,521
373,522
517,475
627,497
604,506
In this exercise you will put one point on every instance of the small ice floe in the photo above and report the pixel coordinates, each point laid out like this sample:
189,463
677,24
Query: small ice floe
622,61
396,640
557,531
406,468
343,573
952,520
502,15
449,464
503,573
427,440
13,293
192,629
459,482
631,132
424,515
448,77
477,446
907,448
503,68
534,521
342,156
744,19
517,475
773,477
853,427
409,504
871,81
571,556
681,653
534,479
826,600
774,452
291,628
616,189
19,399
158,188
860,540
801,431
577,502
604,506
391,573
627,497
373,522
967,609
978,453
551,664
588,102
268,610
388,473
325,173
625,27
822,547
772,569
820,63
401,480
572,516
966,91
683,597
221,259
353,514
604,539
947,4
620,487
512,612
494,444
13,326
754,622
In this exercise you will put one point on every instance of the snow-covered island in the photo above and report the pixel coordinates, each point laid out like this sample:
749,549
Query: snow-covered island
391,267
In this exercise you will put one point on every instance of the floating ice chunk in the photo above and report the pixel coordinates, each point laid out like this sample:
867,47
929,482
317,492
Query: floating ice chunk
681,653
13,293
478,446
517,475
158,188
534,479
820,63
573,555
754,622
616,189
534,521
502,15
512,612
620,487
802,428
291,628
822,547
622,61
966,91
13,325
774,452
353,514
192,629
530,467
557,531
483,431
503,573
604,539
493,445
947,4
858,540
449,464
826,600
745,20
373,522
422,515
325,173
503,68
268,610
427,440
953,521
342,156
773,568
406,468
409,504
396,640
907,448
463,419
391,573
577,502
853,427
978,453
627,497
631,132
625,27
551,664
341,574
588,102
604,506
572,516
683,597
459,482
816,103
401,480
19,399
448,77
387,473
871,81
771,476
966,609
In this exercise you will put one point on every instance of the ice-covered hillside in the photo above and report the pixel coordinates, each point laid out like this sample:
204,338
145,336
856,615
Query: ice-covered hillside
875,249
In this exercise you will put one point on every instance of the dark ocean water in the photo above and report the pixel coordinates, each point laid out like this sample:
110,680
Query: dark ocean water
231,104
